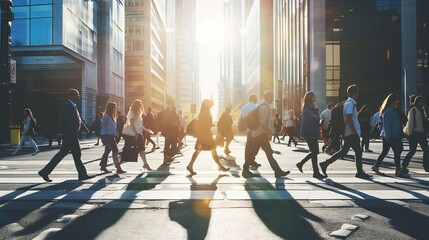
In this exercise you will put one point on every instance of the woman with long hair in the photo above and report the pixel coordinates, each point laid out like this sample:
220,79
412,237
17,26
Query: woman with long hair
391,134
133,131
310,132
28,133
108,134
364,116
289,124
205,141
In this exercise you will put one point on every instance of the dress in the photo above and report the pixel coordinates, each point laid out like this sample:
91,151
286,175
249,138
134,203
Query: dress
205,139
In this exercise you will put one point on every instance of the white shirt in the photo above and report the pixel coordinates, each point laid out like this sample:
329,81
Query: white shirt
350,108
325,116
138,124
288,122
265,118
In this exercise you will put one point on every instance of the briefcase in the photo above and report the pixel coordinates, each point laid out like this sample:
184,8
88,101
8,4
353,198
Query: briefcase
130,154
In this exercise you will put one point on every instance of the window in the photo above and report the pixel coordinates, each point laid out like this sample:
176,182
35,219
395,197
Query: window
21,32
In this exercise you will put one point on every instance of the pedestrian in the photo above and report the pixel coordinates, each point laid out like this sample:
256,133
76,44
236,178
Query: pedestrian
310,132
351,134
289,124
108,134
277,127
391,134
325,117
148,120
69,124
249,158
335,135
417,129
364,116
205,141
169,125
133,132
377,125
262,136
120,122
182,130
51,129
224,127
96,127
28,132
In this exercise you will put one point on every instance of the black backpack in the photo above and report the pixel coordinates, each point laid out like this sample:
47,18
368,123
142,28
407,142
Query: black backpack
252,119
337,124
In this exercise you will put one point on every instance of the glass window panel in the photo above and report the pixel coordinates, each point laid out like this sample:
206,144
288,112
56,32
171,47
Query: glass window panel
21,12
336,55
329,60
41,31
21,32
41,11
20,3
34,2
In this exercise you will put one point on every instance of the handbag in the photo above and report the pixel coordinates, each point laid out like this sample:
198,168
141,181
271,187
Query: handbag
130,155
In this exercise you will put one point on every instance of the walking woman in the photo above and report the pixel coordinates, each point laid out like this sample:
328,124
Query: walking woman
28,133
277,127
108,137
289,124
391,134
417,129
364,116
205,141
310,132
133,131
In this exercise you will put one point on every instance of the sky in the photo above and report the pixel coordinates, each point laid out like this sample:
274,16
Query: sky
209,37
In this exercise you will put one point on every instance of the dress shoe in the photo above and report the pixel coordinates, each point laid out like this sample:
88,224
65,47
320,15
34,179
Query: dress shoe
45,177
104,170
281,173
376,170
402,174
362,175
248,174
120,171
86,177
299,166
323,167
318,175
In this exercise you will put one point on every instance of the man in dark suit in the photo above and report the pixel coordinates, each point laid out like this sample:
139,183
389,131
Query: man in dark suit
69,124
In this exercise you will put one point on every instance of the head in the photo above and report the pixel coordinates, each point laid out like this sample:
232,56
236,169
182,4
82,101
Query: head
118,113
291,112
206,105
170,103
97,116
28,113
391,100
228,110
419,101
276,115
268,96
111,109
253,98
149,109
137,107
180,113
330,105
309,98
352,91
73,95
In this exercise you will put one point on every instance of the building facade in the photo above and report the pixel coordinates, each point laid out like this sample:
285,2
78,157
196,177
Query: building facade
145,54
57,45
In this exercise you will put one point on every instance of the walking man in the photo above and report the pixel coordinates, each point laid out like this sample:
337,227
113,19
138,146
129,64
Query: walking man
69,124
325,117
351,134
262,137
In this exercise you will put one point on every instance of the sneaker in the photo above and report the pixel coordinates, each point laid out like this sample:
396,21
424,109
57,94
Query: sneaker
362,175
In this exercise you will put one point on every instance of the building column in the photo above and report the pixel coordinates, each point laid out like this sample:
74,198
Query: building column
408,50
317,46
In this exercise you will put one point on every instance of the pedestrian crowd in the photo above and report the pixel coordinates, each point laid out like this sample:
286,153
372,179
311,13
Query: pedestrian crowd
340,125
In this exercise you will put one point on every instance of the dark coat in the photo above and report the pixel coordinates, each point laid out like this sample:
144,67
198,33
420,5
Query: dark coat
69,121
310,122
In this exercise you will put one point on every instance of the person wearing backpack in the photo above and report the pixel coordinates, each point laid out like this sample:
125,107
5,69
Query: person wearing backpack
351,134
391,134
417,129
28,133
205,141
263,134
310,132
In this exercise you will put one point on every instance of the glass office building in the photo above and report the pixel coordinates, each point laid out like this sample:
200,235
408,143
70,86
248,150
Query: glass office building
326,45
62,44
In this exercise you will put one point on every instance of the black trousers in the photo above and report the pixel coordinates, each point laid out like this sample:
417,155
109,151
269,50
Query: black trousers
170,147
313,145
397,147
249,152
69,145
351,141
414,139
263,142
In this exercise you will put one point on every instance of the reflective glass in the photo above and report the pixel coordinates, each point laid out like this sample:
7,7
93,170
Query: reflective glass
33,2
21,32
21,12
41,11
20,3
41,31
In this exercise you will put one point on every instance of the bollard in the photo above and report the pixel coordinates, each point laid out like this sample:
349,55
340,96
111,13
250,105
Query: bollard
15,134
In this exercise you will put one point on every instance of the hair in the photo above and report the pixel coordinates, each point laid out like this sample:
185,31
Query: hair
137,107
291,113
330,105
388,101
352,89
417,100
308,98
206,105
28,112
72,92
149,109
363,108
110,110
253,98
267,94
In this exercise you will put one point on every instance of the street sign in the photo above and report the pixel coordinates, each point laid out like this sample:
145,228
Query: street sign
12,71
